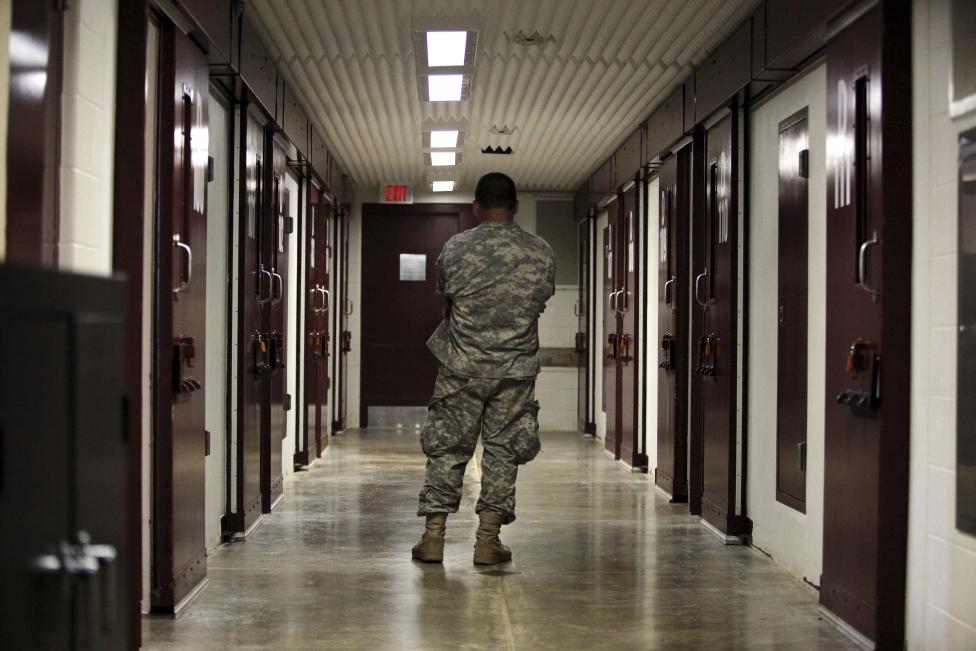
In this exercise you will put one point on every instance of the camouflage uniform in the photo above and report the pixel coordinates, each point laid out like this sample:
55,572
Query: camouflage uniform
497,279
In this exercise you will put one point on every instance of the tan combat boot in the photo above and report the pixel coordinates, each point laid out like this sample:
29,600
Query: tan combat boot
430,549
489,550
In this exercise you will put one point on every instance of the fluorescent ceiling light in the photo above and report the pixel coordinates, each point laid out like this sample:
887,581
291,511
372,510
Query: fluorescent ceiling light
439,158
442,186
446,48
444,88
444,139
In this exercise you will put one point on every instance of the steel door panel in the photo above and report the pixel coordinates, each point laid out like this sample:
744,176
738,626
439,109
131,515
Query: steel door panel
628,307
275,252
179,545
791,373
611,331
584,397
61,409
254,288
851,445
715,291
672,314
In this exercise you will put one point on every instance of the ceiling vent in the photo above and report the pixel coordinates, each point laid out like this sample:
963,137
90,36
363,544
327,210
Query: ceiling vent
503,130
535,38
497,150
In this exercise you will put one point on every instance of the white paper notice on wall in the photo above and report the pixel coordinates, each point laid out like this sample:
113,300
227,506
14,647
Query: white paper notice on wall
413,267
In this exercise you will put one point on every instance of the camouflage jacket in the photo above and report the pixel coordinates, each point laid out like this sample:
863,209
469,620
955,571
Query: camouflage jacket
497,279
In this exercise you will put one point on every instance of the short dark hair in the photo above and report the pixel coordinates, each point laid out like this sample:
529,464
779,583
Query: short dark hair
495,190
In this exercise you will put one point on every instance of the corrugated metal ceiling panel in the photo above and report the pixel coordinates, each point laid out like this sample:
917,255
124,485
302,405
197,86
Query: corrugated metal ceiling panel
574,99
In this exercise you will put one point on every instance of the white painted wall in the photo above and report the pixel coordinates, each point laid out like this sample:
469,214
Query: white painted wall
793,539
556,387
292,328
88,137
649,338
218,218
600,347
942,560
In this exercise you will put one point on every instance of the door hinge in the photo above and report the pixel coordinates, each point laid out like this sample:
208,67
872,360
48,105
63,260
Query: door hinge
291,224
206,443
287,402
210,169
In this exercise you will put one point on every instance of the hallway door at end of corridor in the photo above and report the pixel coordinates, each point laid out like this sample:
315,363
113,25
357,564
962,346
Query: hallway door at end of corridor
611,333
401,307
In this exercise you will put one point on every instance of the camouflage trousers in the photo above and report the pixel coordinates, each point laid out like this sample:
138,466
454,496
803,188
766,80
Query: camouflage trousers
505,414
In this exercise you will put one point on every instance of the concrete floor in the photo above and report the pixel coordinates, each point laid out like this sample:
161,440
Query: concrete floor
601,562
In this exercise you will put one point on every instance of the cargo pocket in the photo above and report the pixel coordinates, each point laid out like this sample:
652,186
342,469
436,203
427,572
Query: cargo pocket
526,444
435,439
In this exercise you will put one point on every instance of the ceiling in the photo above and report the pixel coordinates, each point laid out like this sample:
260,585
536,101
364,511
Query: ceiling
574,98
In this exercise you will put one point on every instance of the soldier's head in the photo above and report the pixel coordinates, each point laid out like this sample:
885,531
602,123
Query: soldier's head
495,199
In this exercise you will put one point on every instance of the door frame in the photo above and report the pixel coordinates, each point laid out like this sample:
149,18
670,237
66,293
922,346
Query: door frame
465,220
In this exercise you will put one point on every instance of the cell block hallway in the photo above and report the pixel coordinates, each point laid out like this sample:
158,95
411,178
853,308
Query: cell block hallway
585,325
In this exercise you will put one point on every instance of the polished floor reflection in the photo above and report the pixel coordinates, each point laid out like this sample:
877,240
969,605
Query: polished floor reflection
601,562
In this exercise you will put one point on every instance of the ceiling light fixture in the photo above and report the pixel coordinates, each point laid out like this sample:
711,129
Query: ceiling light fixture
446,48
442,186
444,139
444,88
442,158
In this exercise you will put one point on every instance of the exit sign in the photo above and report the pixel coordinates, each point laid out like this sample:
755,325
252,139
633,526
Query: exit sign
396,193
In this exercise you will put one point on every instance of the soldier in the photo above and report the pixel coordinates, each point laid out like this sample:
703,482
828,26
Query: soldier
496,279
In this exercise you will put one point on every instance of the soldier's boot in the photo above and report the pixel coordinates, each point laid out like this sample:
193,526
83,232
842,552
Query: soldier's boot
488,549
430,549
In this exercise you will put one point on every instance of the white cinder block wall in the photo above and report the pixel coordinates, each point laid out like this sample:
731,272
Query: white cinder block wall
793,539
941,605
88,137
556,387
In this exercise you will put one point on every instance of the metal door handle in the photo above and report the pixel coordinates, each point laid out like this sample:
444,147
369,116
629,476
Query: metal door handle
281,287
261,272
698,287
349,306
626,309
314,291
184,285
610,301
576,308
666,285
326,298
862,265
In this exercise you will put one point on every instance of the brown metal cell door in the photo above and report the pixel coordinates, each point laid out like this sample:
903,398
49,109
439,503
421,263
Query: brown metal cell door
316,328
343,310
179,544
254,291
672,314
65,567
791,341
584,397
868,316
628,309
401,307
275,250
611,395
715,291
